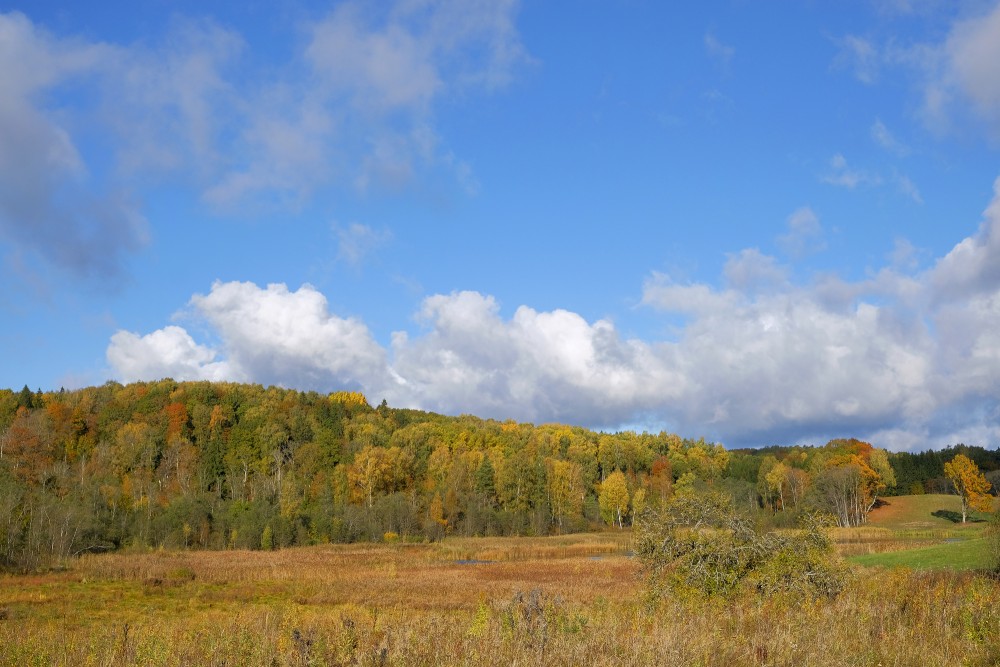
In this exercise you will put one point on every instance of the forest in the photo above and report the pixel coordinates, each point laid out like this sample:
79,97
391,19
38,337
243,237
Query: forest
201,465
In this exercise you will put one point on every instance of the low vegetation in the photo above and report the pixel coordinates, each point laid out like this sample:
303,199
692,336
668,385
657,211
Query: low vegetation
576,600
697,545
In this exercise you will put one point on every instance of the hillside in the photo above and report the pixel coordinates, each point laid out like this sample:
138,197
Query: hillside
224,465
927,511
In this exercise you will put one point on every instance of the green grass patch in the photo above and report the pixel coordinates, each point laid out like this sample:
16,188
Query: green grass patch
922,532
972,554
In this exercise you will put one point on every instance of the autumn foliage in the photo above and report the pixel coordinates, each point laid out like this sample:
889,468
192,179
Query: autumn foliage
201,465
970,484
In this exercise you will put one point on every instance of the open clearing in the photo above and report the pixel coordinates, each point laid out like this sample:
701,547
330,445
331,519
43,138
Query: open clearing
919,532
574,600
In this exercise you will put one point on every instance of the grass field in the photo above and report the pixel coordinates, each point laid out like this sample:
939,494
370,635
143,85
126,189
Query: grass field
923,512
920,532
575,600
971,554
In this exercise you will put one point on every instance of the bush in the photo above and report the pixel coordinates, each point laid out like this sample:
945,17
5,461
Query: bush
698,544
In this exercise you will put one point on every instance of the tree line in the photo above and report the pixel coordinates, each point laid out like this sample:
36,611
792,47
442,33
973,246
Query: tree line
227,465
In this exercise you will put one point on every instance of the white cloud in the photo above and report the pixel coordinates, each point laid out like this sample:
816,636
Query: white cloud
356,242
973,266
909,360
841,174
48,209
972,53
908,187
862,56
167,352
278,336
780,366
805,234
959,75
884,138
537,366
353,107
358,109
662,292
271,335
723,53
750,271
383,71
380,67
904,255
177,90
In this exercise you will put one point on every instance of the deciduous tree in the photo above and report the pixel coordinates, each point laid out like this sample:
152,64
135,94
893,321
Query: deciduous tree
970,484
614,498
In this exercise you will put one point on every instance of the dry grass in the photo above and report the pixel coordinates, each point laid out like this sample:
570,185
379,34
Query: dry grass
574,600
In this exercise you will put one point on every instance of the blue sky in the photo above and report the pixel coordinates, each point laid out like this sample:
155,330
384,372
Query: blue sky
764,223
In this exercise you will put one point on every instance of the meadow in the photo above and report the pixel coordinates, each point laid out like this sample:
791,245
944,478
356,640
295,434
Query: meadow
922,532
570,600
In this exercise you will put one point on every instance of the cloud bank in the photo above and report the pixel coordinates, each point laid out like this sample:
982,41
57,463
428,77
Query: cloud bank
908,359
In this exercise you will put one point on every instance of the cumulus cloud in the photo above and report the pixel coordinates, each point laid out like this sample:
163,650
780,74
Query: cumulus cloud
973,266
277,336
972,56
664,293
167,352
907,358
538,366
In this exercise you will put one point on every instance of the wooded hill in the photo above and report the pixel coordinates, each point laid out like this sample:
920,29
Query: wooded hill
224,465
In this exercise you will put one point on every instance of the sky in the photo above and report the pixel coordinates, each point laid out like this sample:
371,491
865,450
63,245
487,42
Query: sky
757,222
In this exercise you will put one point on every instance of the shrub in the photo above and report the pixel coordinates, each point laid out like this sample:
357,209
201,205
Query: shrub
698,544
993,542
267,538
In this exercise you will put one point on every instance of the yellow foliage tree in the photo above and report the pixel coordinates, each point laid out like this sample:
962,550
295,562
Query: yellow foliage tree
970,484
614,499
350,399
564,484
